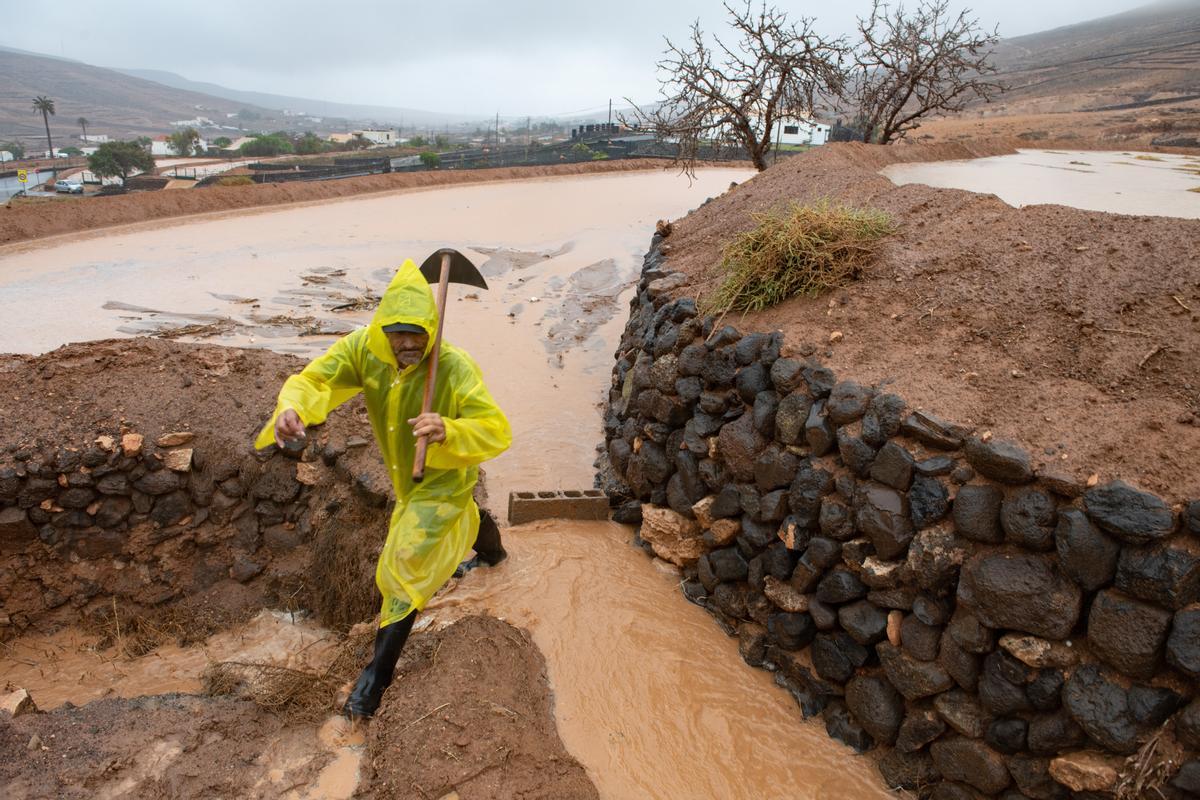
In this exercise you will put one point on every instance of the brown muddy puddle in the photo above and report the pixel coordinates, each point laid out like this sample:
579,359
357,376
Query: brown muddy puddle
1153,184
651,697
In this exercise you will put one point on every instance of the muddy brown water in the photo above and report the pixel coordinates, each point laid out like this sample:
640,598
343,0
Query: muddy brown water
560,255
1157,184
650,695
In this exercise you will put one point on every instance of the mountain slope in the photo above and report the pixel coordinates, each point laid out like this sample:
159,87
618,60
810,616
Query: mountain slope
1149,53
407,116
113,103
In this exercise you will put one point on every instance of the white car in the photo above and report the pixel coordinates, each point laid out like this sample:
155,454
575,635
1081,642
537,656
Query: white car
68,187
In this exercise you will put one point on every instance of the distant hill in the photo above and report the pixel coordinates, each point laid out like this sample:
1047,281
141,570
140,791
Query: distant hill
127,103
408,116
113,103
1150,53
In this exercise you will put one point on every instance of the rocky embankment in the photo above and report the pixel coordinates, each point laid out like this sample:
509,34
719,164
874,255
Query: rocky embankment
984,626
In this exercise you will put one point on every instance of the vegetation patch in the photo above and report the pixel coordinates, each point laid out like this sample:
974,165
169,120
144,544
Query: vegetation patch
797,250
236,180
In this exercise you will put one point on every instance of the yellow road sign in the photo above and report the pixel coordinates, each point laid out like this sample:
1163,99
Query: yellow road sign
22,175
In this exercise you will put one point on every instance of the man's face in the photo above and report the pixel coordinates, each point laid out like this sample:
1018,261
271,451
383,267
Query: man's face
408,347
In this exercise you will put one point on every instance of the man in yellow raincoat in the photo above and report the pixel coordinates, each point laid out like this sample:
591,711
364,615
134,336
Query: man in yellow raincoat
435,522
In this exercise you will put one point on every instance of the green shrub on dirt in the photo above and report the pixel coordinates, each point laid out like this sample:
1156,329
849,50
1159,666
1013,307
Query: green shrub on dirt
236,180
797,250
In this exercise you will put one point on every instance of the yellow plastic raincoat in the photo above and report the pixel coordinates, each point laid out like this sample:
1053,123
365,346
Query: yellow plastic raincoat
435,522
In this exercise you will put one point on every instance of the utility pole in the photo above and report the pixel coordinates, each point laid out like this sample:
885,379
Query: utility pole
610,111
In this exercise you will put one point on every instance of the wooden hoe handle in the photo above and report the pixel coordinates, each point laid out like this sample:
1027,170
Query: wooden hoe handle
418,473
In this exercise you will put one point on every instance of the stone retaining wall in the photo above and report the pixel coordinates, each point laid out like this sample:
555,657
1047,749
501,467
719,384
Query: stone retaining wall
983,626
151,522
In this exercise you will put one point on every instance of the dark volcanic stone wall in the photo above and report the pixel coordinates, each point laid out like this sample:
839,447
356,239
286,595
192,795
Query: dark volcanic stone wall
149,523
983,627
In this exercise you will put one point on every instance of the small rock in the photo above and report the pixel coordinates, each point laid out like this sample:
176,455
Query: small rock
1000,460
962,712
894,620
105,443
673,537
920,727
1021,592
35,743
1128,634
1130,515
131,444
1086,771
877,706
1183,646
972,762
17,703
1038,653
175,439
913,678
178,460
783,595
977,513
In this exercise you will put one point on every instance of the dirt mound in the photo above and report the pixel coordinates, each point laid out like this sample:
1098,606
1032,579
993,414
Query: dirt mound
149,747
470,712
21,222
1073,331
441,729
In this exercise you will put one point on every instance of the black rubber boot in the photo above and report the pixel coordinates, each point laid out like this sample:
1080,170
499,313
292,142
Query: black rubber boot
368,690
488,550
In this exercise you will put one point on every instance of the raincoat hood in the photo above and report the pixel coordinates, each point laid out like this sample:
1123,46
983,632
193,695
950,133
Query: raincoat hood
408,299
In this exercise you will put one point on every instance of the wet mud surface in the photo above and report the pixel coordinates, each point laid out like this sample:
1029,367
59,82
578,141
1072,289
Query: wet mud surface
650,695
442,729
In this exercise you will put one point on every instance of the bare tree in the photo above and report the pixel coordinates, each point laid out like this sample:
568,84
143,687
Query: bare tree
720,95
909,65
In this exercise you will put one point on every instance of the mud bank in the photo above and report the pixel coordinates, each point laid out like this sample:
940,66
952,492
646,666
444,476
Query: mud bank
182,745
1076,333
139,543
983,623
132,505
24,222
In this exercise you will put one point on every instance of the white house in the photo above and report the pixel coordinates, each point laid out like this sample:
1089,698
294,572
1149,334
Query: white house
95,138
794,130
379,136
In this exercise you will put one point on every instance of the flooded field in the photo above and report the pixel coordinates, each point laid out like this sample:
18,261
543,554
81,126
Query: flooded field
1155,184
559,255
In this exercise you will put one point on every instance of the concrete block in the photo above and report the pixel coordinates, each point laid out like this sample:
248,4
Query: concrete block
587,504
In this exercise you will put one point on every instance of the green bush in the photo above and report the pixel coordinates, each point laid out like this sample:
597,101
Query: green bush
235,180
798,250
430,159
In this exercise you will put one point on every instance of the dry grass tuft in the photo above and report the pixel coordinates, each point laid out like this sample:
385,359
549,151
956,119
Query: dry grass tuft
1147,771
298,695
798,250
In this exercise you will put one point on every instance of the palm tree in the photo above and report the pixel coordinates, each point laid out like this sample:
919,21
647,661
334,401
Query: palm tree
45,105
82,122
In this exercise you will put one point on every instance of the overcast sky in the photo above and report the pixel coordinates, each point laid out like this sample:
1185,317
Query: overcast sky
462,56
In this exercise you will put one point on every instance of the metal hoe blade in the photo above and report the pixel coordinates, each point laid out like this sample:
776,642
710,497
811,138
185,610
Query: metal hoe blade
461,268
